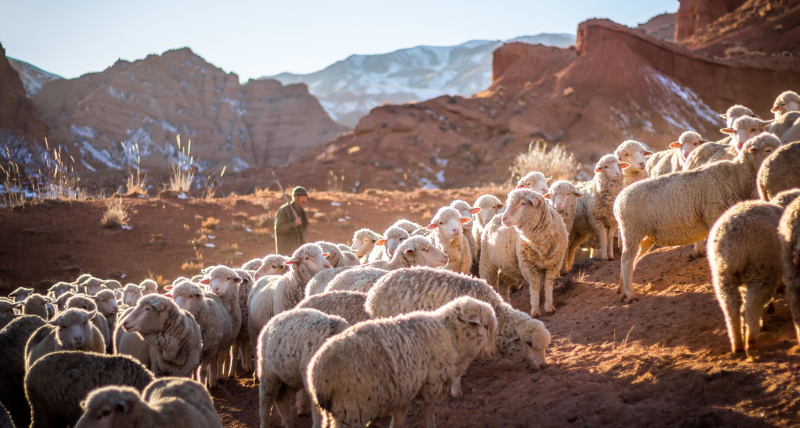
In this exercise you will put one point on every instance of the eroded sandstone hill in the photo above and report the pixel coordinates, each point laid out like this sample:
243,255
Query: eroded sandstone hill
19,119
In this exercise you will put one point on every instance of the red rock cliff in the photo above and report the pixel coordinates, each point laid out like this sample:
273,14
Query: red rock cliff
17,113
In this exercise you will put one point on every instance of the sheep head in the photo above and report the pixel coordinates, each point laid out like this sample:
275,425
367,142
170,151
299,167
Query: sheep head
735,112
221,279
392,238
466,211
274,264
745,128
759,148
21,294
448,223
73,328
535,181
611,167
687,142
633,153
309,257
520,202
786,102
561,193
363,241
422,249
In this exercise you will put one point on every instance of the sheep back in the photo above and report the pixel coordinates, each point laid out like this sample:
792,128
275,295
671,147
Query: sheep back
13,338
349,305
779,172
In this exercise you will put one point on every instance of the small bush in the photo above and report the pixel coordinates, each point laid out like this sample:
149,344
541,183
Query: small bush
192,267
115,214
182,175
554,163
210,223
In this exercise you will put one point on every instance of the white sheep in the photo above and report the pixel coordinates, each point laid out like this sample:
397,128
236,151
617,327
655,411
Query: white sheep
273,264
88,304
450,238
59,288
109,308
789,237
13,339
70,330
528,241
253,265
36,304
131,294
679,208
744,253
285,347
407,225
363,242
489,205
376,368
149,287
243,346
594,212
720,150
779,172
385,247
787,127
535,181
785,103
468,211
166,402
743,129
673,160
633,153
335,256
7,313
93,286
130,344
21,294
321,279
346,304
224,282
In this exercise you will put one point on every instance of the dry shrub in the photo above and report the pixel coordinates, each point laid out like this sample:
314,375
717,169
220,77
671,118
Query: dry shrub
739,50
229,249
210,223
263,220
115,214
57,180
135,183
192,267
182,175
335,183
263,231
556,162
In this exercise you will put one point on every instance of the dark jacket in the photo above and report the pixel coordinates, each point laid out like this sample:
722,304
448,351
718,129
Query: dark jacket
288,237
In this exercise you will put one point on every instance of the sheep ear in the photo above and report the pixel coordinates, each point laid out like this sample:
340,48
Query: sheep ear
727,131
159,306
578,194
465,220
764,123
648,153
598,169
17,305
381,242
519,186
292,261
431,226
724,116
123,406
475,321
755,116
140,287
205,281
237,280
325,254
546,195
166,287
83,405
475,210
624,165
775,109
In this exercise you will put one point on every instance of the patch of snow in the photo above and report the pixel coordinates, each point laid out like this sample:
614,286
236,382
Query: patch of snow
440,176
183,196
126,227
426,184
82,131
335,204
210,245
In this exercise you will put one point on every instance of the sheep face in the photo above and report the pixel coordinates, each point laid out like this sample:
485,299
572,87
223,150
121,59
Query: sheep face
687,142
480,318
735,112
535,181
188,296
633,153
221,279
561,193
21,294
489,206
81,302
310,256
518,203
60,288
148,313
466,211
611,167
363,243
423,249
7,309
448,223
61,302
106,303
786,102
149,287
394,236
131,294
73,328
254,264
760,147
93,286
745,128
272,265
528,343
105,405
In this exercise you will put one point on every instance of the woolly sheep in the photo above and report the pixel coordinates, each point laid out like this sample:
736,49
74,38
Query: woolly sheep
563,197
363,242
407,225
224,283
272,295
743,129
361,279
93,286
7,313
321,279
744,252
519,338
70,330
61,302
386,246
783,199
273,264
346,304
680,208
535,181
489,205
13,339
787,127
86,303
734,112
285,347
721,150
633,153
131,344
35,304
59,288
253,265
215,328
112,284
785,103
780,171
528,241
21,294
149,287
789,238
166,402
131,294
673,160
242,345
334,256
172,334
57,384
108,307
594,212
376,368
450,238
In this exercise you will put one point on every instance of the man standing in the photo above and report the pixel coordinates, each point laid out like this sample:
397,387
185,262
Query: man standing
291,223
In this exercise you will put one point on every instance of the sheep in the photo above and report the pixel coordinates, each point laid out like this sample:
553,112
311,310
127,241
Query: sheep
363,242
149,287
272,295
673,160
112,284
321,279
780,171
489,205
7,313
376,368
274,264
787,127
563,197
13,339
21,294
285,347
535,181
789,238
88,304
131,294
520,338
448,224
783,199
335,256
633,153
744,252
107,306
407,225
167,402
242,345
36,304
253,265
215,328
680,208
743,129
530,245
384,248
721,150
352,258
70,330
468,211
57,384
93,286
130,344
59,288
594,212
224,283
172,334
361,279
61,302
346,304
785,103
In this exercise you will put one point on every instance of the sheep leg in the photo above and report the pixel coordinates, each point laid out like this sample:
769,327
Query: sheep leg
755,304
267,389
302,402
222,358
212,372
629,250
430,415
455,388
316,416
234,355
602,236
283,402
730,301
699,249
398,418
248,357
535,285
574,244
645,246
548,278
793,295
612,230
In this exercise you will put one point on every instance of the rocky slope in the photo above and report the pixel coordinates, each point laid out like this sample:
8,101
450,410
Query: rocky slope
660,26
349,89
21,130
33,78
100,116
617,84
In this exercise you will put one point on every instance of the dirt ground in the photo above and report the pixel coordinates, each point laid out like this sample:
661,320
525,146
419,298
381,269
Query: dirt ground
661,361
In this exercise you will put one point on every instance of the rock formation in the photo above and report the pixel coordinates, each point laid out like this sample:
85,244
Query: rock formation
18,116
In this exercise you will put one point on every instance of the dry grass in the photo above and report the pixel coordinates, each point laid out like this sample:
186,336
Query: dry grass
135,183
192,267
740,50
57,180
182,175
263,220
212,182
335,182
556,162
116,215
210,223
263,231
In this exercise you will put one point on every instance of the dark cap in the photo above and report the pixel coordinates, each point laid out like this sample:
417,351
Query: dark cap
299,191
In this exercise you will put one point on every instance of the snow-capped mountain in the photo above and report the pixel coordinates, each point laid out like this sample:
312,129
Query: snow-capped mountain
33,78
350,88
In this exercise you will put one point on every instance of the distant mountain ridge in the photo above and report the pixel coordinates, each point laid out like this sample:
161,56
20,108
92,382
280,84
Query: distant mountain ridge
33,77
350,88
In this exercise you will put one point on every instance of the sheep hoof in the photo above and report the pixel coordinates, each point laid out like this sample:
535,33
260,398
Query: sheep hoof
550,311
536,314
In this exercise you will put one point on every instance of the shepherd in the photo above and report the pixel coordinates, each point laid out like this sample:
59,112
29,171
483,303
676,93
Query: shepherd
291,223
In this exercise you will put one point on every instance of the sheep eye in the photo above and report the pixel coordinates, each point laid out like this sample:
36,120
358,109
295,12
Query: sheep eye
105,413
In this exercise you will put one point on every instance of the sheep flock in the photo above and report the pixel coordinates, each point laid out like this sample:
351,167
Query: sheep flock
357,331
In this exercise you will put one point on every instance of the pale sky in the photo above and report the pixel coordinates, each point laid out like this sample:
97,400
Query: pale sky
259,38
